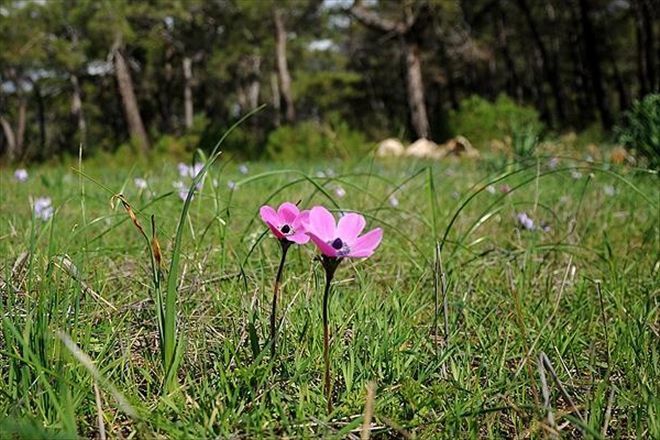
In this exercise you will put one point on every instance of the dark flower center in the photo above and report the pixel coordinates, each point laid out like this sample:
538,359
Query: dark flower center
286,229
337,244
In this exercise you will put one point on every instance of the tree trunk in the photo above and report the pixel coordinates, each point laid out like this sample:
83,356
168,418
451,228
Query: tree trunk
593,64
9,138
41,116
275,91
20,125
640,38
549,65
649,17
624,98
415,90
408,29
514,84
187,92
282,66
129,100
77,109
254,85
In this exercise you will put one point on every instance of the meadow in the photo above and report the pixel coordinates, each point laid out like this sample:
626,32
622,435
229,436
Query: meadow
511,300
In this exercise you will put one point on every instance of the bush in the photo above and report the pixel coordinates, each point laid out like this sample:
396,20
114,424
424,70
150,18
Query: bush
524,142
482,121
640,130
313,140
244,142
180,147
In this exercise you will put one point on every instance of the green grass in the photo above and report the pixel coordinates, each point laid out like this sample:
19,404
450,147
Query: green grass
81,285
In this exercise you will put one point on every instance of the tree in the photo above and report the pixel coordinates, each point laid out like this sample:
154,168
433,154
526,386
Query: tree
282,65
408,30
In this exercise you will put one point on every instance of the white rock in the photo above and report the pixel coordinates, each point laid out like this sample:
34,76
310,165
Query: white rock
424,148
460,146
390,147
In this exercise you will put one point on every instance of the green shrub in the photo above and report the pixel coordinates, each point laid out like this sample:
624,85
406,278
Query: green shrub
313,140
244,141
180,147
640,130
592,134
482,121
524,141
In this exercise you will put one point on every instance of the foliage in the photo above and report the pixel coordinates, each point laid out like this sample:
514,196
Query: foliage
244,142
180,147
339,67
482,121
640,129
313,140
524,141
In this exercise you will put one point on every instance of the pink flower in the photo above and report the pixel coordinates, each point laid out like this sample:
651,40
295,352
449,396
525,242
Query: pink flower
341,239
286,223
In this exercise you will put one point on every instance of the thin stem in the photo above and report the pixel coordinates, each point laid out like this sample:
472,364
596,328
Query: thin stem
276,290
326,339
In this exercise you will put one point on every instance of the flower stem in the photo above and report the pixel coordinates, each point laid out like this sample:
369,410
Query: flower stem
330,265
326,341
278,278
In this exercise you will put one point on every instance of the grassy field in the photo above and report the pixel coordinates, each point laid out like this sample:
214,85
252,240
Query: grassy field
550,328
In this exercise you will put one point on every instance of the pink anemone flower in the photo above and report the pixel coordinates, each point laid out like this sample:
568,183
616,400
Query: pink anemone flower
343,238
286,223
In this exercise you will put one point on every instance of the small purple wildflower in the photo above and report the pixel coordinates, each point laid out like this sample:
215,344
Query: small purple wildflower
553,163
340,192
394,202
183,169
140,183
182,189
525,221
43,208
21,175
243,169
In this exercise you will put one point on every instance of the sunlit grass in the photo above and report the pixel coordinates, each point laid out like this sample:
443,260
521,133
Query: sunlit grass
512,294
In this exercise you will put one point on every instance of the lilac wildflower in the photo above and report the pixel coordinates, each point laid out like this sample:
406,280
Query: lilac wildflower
181,188
140,183
21,175
525,221
43,208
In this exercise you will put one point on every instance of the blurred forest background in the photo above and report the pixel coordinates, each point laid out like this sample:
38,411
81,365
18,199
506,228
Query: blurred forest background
172,75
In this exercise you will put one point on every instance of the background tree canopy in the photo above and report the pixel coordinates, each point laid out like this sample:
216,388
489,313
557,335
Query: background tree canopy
172,75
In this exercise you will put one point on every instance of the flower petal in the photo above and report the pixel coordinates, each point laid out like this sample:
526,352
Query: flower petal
350,226
324,247
288,212
367,244
299,237
268,215
275,231
321,223
301,222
